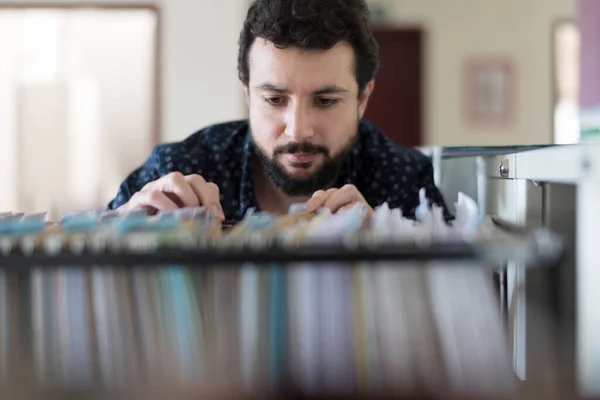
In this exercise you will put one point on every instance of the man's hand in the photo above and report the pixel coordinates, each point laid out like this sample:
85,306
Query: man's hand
337,199
176,191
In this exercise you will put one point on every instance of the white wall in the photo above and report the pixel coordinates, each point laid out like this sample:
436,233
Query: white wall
459,29
200,86
199,76
111,78
200,83
76,113
42,162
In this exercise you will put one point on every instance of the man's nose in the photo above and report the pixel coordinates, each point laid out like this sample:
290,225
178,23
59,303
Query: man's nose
299,124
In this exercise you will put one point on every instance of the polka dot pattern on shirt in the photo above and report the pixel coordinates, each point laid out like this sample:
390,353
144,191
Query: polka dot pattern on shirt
380,169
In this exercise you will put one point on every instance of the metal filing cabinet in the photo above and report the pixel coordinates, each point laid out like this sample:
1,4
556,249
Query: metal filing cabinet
552,318
540,302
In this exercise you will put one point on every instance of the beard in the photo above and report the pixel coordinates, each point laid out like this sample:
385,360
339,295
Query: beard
322,178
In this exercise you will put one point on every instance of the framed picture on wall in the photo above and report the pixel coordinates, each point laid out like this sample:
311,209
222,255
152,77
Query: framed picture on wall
489,92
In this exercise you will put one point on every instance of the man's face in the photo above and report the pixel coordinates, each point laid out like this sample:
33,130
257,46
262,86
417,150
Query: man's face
304,112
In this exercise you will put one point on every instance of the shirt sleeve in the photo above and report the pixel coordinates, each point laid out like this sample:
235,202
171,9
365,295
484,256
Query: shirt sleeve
148,172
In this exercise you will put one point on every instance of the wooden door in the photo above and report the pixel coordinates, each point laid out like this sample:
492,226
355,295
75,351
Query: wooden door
396,105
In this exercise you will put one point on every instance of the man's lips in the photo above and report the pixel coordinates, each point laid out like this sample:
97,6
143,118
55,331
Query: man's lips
300,157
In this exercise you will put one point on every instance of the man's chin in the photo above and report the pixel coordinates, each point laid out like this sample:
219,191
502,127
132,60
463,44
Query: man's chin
302,181
299,176
301,170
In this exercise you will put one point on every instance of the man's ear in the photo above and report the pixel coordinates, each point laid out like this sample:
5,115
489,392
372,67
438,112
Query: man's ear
363,100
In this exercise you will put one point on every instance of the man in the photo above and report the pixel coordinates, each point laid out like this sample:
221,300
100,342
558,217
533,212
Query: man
307,69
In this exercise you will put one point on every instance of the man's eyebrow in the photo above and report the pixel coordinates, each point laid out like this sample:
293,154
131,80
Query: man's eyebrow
271,88
332,89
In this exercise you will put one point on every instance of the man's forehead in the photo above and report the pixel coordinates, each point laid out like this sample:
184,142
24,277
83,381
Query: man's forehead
300,68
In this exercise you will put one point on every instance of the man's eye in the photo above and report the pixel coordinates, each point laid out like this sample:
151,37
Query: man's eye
326,102
275,101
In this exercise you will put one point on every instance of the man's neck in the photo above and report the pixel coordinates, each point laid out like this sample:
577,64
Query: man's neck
269,197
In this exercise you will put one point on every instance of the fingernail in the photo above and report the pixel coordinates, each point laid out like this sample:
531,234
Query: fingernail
217,212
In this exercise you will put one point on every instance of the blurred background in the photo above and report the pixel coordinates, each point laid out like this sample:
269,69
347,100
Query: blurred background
88,87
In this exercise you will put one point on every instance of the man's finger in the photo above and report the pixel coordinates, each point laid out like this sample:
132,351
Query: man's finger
176,188
318,199
208,193
176,184
341,198
213,201
154,199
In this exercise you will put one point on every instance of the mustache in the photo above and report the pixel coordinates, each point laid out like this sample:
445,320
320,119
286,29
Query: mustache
303,147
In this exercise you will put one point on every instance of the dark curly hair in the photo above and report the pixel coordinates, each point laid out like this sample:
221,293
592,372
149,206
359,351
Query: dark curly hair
311,24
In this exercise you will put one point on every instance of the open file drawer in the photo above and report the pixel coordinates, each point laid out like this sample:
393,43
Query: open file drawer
229,311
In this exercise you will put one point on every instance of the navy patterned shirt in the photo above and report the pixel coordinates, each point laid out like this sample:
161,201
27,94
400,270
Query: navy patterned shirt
381,170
